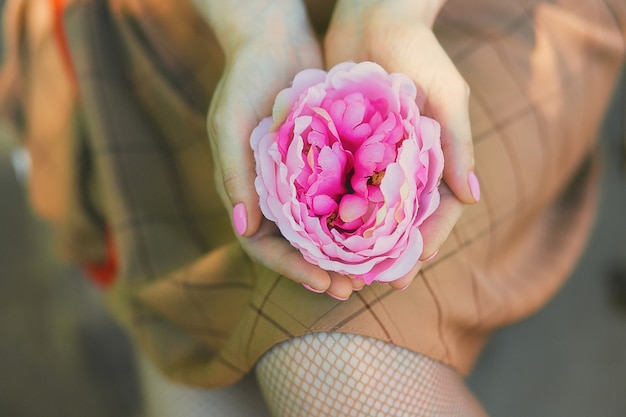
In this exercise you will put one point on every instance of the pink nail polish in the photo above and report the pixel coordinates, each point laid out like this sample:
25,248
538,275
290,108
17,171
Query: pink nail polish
240,218
474,185
308,287
431,257
331,295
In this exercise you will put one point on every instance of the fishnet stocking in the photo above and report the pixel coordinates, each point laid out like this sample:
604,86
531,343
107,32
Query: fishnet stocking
335,374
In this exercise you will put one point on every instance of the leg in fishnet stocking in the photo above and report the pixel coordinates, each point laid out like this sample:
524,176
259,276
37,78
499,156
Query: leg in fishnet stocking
334,374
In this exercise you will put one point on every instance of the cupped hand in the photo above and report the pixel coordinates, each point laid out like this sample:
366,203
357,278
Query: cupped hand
265,44
397,35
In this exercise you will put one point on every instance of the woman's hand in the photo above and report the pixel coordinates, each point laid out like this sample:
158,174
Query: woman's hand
265,43
397,35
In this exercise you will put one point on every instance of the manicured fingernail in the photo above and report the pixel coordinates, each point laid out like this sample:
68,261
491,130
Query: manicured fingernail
431,257
336,297
474,185
240,218
308,287
405,287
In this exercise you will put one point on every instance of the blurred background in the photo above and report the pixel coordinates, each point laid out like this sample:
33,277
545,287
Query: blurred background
61,355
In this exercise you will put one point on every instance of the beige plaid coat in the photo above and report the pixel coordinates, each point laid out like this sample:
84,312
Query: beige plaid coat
541,75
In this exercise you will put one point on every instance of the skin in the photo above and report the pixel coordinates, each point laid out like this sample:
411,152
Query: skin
266,43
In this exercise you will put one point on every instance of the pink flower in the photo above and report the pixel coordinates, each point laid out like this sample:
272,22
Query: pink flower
348,169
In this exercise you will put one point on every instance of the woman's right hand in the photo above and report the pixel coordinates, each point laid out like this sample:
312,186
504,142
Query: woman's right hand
266,43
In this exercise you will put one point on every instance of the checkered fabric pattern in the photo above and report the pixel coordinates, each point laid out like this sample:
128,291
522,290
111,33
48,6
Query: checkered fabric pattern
541,74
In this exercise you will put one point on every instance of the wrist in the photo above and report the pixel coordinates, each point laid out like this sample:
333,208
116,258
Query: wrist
238,22
423,11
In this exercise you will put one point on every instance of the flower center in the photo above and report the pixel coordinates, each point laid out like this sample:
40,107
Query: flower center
347,144
330,220
376,178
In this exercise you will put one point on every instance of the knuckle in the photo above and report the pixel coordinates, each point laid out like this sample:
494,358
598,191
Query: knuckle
468,149
236,181
231,181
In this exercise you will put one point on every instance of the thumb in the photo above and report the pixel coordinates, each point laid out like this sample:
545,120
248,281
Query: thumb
245,96
445,99
231,119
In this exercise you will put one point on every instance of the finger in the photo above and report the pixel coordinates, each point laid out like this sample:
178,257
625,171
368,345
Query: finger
436,229
244,97
447,101
277,254
357,284
232,116
449,105
443,95
403,283
340,286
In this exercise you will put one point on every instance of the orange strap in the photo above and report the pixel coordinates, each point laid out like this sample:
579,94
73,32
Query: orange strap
58,10
104,273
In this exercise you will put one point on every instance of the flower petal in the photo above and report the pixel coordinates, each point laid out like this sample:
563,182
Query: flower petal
352,207
349,169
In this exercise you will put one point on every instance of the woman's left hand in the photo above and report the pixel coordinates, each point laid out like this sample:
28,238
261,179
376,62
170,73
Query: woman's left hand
397,35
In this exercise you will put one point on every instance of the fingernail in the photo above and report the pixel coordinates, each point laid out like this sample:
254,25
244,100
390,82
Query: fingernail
405,287
474,185
308,287
336,297
431,257
240,218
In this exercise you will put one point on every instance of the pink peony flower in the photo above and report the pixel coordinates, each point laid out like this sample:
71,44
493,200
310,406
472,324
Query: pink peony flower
348,169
